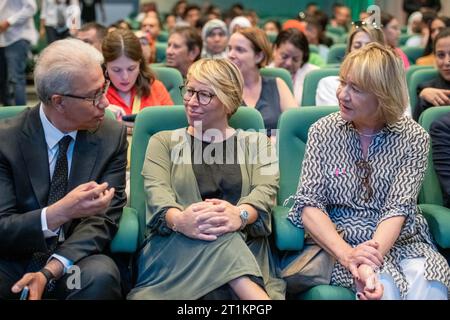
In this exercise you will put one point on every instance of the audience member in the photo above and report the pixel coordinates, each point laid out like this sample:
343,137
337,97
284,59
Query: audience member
410,6
215,39
291,52
437,25
89,10
238,23
183,49
436,92
63,189
361,35
92,33
361,174
17,33
272,28
59,19
213,236
391,29
133,84
250,50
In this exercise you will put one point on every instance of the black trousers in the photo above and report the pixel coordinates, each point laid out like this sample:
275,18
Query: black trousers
100,280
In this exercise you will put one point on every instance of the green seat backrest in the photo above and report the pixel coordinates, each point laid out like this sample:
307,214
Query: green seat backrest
163,36
413,53
417,78
310,84
336,53
313,48
412,69
292,137
280,73
161,51
152,120
10,111
403,39
430,192
172,80
336,30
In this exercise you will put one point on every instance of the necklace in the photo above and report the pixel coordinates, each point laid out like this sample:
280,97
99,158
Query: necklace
367,135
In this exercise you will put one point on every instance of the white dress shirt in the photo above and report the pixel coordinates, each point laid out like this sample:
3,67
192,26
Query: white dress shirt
19,14
52,137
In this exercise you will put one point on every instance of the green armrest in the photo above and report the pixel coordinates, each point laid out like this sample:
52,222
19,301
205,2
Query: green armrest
438,218
326,292
287,236
126,237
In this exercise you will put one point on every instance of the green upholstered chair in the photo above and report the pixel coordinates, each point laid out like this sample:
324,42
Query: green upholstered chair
336,30
161,51
416,79
172,80
313,48
126,237
413,53
412,69
336,53
403,39
430,197
280,73
163,36
310,84
292,137
152,120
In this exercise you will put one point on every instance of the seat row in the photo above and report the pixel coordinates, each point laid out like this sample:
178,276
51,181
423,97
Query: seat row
291,144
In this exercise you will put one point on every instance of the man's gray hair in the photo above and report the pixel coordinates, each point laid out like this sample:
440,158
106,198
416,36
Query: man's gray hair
59,63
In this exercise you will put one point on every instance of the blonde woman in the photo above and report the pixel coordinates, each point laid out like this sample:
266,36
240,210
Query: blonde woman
209,219
381,157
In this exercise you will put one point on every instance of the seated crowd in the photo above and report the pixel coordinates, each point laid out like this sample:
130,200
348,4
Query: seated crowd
210,188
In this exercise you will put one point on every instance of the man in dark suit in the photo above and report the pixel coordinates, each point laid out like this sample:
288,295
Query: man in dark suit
62,182
440,139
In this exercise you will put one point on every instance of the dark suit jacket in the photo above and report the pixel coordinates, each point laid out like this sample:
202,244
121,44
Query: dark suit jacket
25,182
440,139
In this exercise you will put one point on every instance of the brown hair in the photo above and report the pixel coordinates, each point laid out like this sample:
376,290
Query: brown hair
260,43
124,42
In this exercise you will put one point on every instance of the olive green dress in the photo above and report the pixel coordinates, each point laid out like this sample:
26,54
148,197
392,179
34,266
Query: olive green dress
173,266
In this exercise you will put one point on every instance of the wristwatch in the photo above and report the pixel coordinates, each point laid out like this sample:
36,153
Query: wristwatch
243,214
51,280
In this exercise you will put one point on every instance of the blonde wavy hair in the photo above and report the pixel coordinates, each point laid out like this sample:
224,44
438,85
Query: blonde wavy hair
379,70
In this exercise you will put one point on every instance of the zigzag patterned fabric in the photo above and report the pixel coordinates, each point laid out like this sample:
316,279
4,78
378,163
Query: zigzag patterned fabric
332,182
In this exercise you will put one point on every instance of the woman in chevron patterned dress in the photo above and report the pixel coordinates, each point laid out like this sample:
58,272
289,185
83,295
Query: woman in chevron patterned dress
361,174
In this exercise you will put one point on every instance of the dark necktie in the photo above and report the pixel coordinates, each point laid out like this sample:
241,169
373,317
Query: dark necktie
58,189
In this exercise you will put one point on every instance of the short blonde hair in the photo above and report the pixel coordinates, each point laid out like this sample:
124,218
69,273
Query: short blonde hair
379,70
224,78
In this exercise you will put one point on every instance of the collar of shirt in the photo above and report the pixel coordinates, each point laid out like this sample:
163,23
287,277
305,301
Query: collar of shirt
396,127
52,134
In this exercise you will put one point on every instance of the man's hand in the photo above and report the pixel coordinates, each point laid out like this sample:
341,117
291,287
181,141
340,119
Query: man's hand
35,281
4,25
86,200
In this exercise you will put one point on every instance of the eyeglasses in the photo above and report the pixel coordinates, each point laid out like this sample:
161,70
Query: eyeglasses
96,98
364,172
361,23
203,97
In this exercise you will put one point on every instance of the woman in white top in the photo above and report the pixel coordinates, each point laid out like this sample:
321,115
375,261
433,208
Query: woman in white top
361,35
291,52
